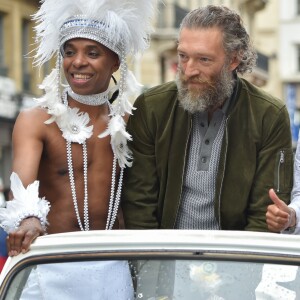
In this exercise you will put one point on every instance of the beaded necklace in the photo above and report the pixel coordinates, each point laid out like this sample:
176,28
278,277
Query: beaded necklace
115,196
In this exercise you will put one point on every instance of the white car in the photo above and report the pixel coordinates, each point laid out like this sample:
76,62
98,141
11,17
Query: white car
158,265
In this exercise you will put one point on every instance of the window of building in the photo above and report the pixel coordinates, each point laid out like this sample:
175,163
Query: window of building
180,13
25,51
298,58
3,69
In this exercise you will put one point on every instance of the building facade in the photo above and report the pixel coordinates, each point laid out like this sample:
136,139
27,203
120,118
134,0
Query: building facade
18,80
289,59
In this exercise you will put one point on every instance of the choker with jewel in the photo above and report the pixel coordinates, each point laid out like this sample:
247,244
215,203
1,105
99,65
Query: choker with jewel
94,100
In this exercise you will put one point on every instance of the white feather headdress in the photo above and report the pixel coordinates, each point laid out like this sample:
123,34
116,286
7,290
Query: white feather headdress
123,26
122,21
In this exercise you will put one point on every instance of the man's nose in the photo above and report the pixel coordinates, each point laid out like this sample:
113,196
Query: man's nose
191,68
79,60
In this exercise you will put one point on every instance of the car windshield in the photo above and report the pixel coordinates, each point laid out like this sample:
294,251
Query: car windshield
155,279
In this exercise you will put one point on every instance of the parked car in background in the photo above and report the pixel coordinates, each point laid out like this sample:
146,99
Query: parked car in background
168,264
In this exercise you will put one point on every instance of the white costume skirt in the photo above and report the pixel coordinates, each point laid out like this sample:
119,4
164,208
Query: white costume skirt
91,280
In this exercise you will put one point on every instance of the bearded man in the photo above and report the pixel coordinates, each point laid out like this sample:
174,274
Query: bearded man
208,147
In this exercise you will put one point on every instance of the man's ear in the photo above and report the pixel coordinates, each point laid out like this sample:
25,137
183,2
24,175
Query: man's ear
234,62
116,66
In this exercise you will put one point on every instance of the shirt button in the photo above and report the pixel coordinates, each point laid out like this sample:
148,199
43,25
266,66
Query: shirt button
203,159
206,142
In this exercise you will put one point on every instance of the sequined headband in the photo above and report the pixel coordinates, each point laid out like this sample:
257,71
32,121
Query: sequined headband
82,27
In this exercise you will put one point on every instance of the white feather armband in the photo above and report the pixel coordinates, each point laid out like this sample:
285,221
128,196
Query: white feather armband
26,203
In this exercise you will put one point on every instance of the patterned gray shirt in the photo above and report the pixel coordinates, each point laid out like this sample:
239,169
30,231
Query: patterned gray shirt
197,200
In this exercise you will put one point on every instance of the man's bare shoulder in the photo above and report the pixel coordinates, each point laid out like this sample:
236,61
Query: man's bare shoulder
33,115
31,123
32,118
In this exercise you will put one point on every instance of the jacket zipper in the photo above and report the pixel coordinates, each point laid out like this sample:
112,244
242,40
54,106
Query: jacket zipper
280,163
183,173
225,155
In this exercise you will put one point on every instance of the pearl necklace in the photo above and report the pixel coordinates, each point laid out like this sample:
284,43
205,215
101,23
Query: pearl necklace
94,100
114,200
86,220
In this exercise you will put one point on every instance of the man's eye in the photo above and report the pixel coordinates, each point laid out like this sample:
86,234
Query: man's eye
94,54
204,59
182,56
69,53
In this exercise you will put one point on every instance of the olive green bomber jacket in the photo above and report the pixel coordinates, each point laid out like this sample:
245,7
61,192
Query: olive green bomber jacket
256,155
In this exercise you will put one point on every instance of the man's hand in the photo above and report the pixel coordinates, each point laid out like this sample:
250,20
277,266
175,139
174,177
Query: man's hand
21,239
279,216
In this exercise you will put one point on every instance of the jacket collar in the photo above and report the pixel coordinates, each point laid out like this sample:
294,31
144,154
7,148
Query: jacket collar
230,104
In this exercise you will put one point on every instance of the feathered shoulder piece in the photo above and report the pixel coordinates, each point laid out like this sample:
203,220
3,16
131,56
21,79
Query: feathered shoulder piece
123,22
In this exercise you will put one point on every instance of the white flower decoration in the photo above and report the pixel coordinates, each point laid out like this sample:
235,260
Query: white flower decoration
73,124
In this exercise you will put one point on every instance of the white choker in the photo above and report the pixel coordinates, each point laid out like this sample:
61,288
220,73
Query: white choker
94,100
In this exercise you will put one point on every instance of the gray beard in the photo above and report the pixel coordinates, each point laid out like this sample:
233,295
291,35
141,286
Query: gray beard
210,97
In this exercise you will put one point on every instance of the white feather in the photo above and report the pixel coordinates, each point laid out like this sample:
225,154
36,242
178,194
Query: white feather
26,203
119,137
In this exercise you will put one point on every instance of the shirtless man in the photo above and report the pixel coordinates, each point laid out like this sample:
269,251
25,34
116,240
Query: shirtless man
73,145
45,149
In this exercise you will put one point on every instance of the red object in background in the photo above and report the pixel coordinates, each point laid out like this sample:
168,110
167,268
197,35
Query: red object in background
3,250
2,262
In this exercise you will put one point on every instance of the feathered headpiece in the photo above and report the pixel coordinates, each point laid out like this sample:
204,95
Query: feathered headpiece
123,26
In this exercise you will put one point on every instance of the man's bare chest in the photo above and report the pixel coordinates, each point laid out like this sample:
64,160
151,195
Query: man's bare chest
55,153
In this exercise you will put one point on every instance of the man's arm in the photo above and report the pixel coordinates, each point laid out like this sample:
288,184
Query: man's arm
141,186
27,151
281,217
28,144
274,170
